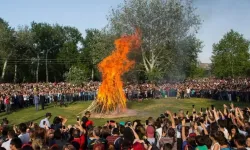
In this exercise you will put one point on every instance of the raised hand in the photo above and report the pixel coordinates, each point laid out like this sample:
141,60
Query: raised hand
183,122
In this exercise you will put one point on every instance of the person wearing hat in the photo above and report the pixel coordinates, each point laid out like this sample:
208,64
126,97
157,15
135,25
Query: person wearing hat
45,122
150,131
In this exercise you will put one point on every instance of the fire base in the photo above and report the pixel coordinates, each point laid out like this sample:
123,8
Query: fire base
98,112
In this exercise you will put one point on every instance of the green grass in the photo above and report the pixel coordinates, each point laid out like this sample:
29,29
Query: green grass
145,109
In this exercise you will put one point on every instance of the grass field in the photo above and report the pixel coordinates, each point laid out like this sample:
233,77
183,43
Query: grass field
145,109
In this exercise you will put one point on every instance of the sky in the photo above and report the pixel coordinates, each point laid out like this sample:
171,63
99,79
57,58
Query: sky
218,16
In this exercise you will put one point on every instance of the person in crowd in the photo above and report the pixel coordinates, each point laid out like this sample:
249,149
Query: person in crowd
240,141
45,122
7,103
11,135
42,100
85,119
79,137
24,136
69,147
59,122
97,141
188,90
150,131
115,134
233,131
36,102
211,129
59,141
15,144
168,136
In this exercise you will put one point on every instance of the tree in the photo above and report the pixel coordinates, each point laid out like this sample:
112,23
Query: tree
22,49
97,44
69,53
38,53
166,26
6,44
77,74
231,55
48,40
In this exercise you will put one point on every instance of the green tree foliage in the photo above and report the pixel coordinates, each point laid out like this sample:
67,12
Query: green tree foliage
43,52
20,56
231,55
68,54
168,28
7,42
97,44
77,74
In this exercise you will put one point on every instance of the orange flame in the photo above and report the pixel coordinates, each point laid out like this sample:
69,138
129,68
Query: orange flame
111,96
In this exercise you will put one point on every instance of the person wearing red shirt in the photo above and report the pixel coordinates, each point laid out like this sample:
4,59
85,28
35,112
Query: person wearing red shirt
7,103
79,136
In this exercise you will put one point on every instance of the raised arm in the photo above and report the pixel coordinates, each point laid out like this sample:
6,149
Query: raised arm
171,118
237,114
135,134
64,120
222,115
225,109
183,125
79,126
204,128
215,115
240,114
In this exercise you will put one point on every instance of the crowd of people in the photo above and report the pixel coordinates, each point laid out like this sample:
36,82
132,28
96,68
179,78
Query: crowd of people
200,129
15,96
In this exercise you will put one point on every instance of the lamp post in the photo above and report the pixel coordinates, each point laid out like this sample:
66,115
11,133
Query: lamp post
46,62
35,45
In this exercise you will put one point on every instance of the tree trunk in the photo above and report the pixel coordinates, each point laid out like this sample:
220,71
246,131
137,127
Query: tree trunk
92,74
15,75
4,69
148,63
37,67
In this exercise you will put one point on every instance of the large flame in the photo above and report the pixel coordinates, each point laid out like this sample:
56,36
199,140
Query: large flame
111,96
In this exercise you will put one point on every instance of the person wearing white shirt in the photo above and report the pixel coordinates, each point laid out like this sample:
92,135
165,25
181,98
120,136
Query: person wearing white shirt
6,145
188,92
45,122
25,137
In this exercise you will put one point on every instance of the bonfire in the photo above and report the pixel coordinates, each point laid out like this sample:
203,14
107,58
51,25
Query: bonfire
111,97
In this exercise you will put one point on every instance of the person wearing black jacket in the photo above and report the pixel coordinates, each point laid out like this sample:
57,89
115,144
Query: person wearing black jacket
42,100
20,99
31,98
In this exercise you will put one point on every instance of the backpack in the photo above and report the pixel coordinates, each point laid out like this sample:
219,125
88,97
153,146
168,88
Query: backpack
118,143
